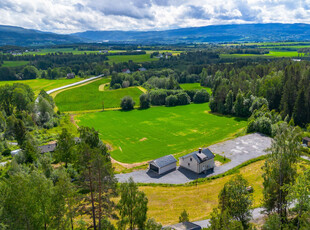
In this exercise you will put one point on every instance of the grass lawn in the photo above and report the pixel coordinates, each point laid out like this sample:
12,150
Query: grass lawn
134,58
142,135
167,203
282,54
14,63
38,84
189,86
88,97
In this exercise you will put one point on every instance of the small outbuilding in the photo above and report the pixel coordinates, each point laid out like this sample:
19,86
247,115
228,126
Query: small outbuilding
163,164
198,161
306,141
70,75
185,226
47,148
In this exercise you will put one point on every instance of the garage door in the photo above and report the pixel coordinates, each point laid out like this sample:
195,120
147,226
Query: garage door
154,168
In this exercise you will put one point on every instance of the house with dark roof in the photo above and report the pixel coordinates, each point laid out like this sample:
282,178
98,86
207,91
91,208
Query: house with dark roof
198,161
163,164
184,226
306,141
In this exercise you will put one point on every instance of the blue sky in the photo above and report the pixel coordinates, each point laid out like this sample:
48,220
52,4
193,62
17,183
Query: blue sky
69,16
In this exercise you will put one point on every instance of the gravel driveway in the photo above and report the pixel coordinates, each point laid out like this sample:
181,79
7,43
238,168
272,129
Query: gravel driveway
238,150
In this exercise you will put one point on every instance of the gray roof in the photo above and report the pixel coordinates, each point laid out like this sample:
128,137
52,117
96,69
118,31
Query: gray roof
306,139
164,161
47,148
185,226
205,154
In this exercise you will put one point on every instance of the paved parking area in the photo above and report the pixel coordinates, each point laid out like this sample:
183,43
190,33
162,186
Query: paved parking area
238,150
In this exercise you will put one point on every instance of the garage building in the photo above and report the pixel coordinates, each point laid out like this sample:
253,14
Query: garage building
163,164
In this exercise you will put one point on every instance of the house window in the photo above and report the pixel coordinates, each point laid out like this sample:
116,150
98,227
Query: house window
189,164
190,159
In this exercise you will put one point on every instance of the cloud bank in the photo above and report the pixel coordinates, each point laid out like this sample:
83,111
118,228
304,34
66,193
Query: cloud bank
69,16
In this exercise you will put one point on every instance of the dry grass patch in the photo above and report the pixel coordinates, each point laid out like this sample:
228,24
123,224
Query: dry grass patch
166,203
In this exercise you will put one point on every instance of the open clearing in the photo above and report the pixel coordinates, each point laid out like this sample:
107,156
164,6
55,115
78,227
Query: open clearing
134,58
89,97
190,86
164,130
38,84
14,63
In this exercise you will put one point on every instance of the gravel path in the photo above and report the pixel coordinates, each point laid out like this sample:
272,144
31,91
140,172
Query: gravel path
73,84
238,150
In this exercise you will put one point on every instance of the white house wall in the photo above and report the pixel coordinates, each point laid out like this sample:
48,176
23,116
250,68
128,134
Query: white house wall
193,165
209,164
167,168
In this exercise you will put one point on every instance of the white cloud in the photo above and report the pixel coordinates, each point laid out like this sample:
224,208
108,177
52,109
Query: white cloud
67,16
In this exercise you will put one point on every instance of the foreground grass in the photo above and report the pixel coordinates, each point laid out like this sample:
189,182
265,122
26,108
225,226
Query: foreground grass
38,84
88,97
142,135
166,203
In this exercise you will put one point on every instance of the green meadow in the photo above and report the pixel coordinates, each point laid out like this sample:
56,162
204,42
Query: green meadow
190,86
141,135
88,97
134,58
14,63
38,84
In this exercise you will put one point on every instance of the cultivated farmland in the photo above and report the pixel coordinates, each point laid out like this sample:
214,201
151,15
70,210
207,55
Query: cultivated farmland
88,97
142,135
38,84
134,58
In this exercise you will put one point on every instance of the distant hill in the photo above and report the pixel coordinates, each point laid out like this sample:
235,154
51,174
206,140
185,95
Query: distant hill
11,35
215,33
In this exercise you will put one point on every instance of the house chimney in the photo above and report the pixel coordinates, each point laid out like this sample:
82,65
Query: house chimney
200,149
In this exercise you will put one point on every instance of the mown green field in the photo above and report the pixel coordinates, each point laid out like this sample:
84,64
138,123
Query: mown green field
14,63
142,135
38,84
190,86
282,54
134,58
88,97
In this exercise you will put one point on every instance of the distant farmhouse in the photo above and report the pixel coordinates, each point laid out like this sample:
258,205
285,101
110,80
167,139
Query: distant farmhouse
70,75
126,71
198,161
142,69
163,164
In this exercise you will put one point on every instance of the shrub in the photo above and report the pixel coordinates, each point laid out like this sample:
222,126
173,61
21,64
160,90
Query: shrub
117,86
183,98
201,96
6,152
145,101
171,100
158,97
127,103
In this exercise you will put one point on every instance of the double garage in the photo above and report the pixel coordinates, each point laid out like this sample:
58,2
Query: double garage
163,164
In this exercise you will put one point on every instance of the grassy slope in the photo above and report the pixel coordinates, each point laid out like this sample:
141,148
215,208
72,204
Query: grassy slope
166,203
38,84
142,135
88,97
189,86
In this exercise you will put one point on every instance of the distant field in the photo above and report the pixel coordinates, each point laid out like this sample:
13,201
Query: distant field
38,84
189,86
282,54
63,50
88,97
142,135
14,63
134,58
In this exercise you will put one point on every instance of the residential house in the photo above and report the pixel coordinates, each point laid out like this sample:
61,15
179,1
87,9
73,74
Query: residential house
70,75
163,164
126,71
184,226
198,161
